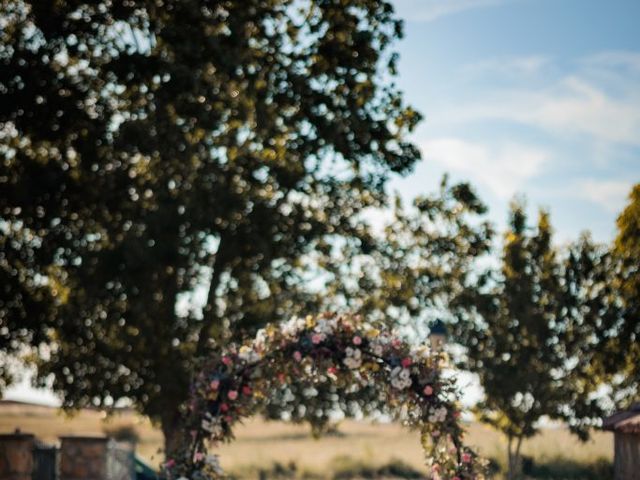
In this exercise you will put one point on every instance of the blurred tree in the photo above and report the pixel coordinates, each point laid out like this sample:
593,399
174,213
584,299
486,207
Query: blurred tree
529,334
621,357
168,169
416,261
603,307
403,273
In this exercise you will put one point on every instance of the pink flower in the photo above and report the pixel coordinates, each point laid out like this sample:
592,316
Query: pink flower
297,356
466,457
428,390
198,456
357,340
435,433
396,342
233,394
456,478
214,384
316,338
224,407
456,414
406,362
170,463
332,370
246,390
227,360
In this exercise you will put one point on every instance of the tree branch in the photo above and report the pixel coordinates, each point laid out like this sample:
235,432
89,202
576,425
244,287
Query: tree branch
209,316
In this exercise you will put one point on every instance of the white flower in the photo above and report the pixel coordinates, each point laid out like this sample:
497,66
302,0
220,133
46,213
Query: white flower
421,352
260,340
212,424
401,378
326,326
213,462
377,349
291,327
288,396
310,392
354,358
438,415
248,354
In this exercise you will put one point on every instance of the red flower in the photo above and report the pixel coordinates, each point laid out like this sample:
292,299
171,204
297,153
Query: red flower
406,362
246,390
224,407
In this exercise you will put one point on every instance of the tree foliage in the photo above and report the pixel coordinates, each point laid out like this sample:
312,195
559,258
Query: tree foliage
621,357
530,332
168,167
420,258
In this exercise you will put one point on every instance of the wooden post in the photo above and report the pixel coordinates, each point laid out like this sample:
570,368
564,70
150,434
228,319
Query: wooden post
16,456
627,456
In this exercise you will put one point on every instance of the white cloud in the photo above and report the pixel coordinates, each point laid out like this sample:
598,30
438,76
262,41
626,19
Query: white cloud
571,105
609,194
508,65
580,107
429,10
614,59
504,169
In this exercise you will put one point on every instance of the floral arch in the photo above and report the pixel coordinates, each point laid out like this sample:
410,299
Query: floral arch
326,350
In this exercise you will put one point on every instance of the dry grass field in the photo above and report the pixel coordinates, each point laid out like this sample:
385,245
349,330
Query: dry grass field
280,446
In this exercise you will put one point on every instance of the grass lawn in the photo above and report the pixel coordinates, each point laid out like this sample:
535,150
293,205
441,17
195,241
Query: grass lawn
288,451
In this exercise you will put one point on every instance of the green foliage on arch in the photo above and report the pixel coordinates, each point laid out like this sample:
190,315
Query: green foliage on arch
343,355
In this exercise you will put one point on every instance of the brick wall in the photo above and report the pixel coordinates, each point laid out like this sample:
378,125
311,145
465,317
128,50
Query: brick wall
16,456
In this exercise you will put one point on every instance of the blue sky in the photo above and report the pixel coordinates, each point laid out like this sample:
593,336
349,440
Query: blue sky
533,97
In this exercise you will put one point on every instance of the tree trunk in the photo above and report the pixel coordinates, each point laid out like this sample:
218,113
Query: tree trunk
517,467
513,462
209,313
173,431
510,458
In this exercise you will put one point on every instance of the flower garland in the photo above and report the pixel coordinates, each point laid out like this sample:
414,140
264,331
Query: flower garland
329,350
